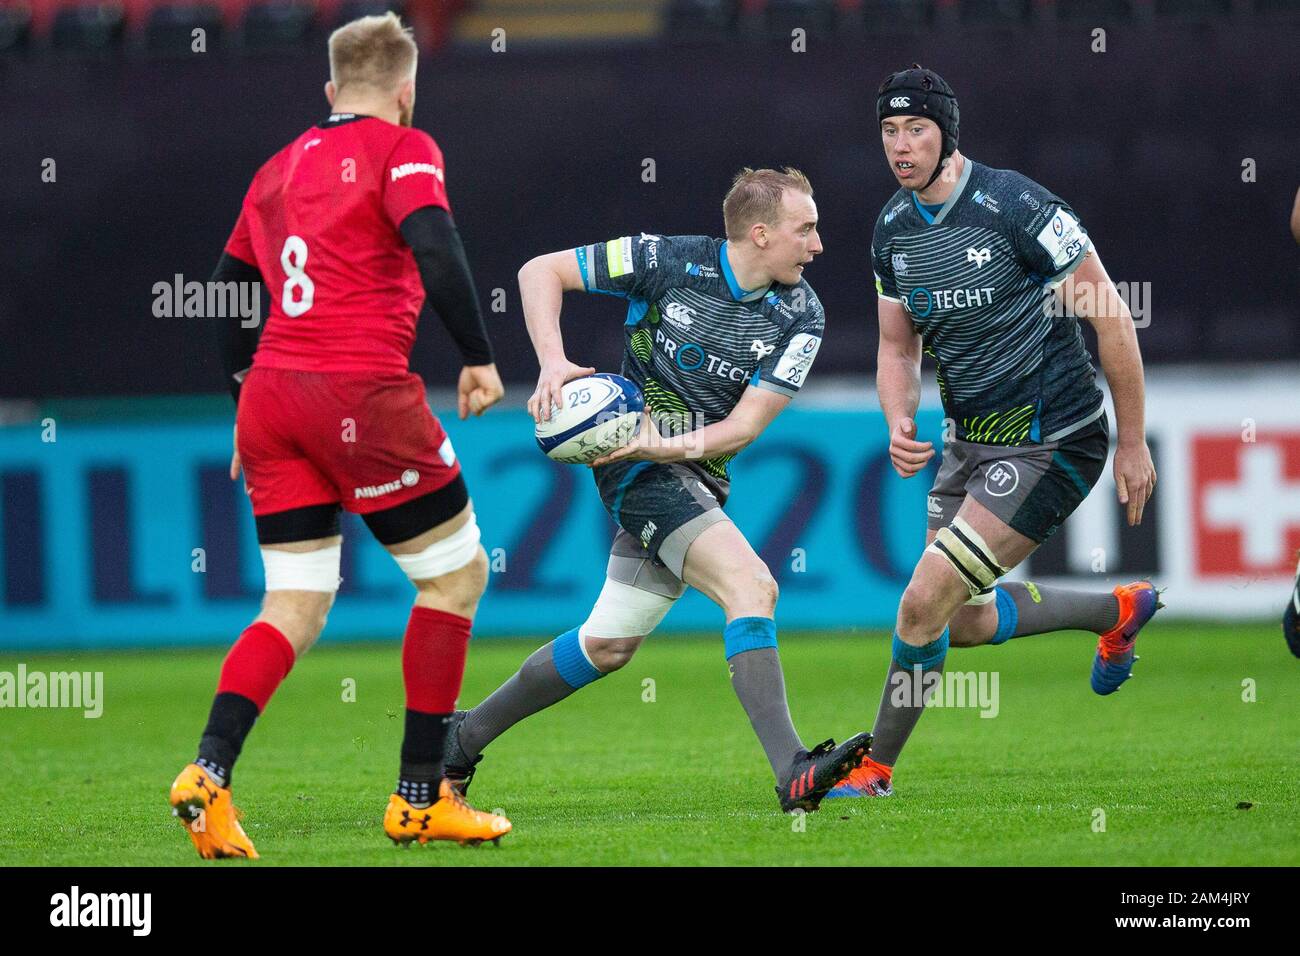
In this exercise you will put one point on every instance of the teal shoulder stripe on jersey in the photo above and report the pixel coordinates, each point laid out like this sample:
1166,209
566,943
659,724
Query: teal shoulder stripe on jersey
636,310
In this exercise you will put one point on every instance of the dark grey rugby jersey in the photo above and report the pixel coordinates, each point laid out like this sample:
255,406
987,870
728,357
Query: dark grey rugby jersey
695,339
976,280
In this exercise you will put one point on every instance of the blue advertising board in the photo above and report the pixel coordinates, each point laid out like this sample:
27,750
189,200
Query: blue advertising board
130,533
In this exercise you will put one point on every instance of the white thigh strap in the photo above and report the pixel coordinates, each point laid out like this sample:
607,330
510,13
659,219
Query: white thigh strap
442,557
963,548
625,611
302,570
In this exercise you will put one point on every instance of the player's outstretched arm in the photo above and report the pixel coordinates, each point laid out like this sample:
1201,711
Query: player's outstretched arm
898,383
753,413
542,284
1090,294
449,288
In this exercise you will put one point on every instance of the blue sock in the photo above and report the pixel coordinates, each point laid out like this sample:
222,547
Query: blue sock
571,662
748,634
1007,616
929,657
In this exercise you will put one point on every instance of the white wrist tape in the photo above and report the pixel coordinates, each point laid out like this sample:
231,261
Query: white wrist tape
625,611
302,570
442,557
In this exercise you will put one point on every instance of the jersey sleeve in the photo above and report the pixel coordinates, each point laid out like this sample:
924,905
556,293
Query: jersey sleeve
240,243
631,266
785,368
886,287
1048,236
414,177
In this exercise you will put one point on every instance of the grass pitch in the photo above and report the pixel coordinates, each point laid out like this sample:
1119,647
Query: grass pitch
657,765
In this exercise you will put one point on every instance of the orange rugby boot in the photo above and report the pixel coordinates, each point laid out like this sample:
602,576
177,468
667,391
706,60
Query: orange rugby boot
209,816
1113,664
871,779
449,818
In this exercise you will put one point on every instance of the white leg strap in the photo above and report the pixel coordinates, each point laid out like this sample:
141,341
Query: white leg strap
442,557
964,548
302,570
625,611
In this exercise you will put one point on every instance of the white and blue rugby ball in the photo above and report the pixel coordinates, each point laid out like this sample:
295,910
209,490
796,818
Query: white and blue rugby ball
599,414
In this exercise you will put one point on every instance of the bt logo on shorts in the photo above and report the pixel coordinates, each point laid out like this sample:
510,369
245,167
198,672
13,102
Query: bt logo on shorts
1002,479
647,533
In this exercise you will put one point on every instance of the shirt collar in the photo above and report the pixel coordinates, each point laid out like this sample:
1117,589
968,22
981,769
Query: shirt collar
737,293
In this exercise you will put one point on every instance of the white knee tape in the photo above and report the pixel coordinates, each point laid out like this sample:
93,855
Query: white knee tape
302,570
984,597
442,557
964,548
625,611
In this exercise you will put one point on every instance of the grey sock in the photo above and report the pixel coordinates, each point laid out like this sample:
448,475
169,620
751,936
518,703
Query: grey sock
900,708
1040,609
758,682
536,686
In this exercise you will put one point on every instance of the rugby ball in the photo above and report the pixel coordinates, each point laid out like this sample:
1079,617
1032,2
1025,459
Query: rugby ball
599,414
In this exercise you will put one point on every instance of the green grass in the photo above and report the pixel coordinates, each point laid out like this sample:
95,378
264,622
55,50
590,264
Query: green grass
607,778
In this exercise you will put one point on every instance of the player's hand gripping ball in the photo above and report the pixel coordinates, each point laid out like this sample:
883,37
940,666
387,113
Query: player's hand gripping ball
598,414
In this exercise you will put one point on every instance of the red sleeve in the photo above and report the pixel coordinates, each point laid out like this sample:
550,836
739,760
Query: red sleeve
414,177
240,243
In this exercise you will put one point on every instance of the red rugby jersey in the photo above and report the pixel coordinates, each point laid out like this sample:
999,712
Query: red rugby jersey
321,223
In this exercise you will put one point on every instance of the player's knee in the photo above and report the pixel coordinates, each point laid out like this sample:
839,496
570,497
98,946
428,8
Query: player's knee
920,608
608,654
470,582
752,591
458,591
299,615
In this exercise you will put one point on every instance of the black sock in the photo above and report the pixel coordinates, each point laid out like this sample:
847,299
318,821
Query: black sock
422,749
231,718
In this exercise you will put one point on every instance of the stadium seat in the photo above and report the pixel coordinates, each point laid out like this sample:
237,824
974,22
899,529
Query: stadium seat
1094,10
1193,9
995,12
896,16
277,25
335,13
170,27
90,27
15,28
701,20
780,17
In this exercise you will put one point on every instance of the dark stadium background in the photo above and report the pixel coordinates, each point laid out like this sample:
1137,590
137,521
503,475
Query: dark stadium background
544,144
